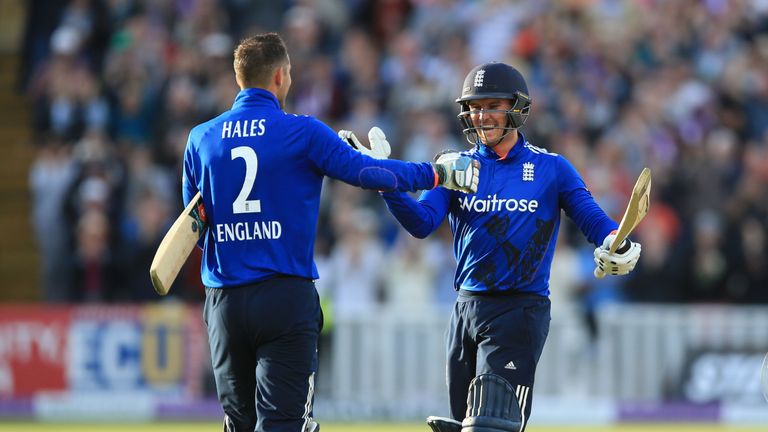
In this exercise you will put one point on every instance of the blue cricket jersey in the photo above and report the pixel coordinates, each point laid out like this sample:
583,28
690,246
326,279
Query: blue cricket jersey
260,171
504,235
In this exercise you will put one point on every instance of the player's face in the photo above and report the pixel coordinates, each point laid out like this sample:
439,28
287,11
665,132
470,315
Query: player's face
489,117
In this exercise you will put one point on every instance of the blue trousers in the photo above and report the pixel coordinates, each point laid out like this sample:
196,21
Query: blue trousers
263,342
502,334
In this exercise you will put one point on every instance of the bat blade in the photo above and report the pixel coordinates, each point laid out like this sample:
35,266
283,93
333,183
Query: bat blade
637,208
177,244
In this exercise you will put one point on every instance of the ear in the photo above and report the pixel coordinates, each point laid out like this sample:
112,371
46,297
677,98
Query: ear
278,77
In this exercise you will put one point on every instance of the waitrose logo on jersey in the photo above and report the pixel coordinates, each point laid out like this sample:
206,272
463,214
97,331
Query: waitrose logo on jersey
493,203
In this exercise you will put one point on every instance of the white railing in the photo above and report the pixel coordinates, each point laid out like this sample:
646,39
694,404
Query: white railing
389,364
643,347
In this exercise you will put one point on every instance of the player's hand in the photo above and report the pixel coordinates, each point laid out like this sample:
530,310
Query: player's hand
457,172
620,262
379,146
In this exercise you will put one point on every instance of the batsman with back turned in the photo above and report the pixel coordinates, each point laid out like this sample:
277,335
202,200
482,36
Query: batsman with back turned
504,239
259,171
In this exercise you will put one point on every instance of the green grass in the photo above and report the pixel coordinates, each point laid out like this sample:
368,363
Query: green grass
349,427
193,427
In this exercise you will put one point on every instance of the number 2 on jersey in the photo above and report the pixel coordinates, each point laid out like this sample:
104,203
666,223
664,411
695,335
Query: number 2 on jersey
241,203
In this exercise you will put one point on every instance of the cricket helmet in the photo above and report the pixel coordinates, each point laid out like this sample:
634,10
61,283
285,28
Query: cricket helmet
494,81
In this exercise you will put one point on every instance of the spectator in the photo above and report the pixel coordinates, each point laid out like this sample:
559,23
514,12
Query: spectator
677,86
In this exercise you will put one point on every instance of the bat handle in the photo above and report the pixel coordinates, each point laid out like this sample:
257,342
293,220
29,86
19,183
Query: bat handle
599,273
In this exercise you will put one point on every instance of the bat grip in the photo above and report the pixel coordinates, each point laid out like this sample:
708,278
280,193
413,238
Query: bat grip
620,247
599,273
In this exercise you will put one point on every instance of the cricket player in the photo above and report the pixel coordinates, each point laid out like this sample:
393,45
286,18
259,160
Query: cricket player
504,240
259,171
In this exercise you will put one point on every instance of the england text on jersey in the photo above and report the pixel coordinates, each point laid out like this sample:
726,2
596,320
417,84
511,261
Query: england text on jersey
264,230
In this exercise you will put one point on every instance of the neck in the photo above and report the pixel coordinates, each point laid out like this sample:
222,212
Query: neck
506,144
272,89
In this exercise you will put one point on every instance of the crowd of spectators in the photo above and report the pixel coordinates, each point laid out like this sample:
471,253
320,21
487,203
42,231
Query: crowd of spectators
679,86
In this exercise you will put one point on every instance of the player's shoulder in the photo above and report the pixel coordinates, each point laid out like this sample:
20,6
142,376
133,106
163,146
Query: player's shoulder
308,121
538,151
542,157
302,121
315,128
201,130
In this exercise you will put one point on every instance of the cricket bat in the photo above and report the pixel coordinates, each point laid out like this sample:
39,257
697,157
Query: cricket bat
638,206
177,245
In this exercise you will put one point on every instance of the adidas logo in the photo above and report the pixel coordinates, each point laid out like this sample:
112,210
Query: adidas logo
510,365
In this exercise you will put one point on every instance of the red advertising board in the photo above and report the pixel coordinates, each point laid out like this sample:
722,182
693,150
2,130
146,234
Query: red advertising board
155,349
33,349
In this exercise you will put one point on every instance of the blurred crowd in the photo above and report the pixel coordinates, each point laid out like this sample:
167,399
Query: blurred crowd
678,86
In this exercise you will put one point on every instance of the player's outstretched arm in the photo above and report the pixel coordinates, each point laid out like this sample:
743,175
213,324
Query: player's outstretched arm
419,218
620,262
453,170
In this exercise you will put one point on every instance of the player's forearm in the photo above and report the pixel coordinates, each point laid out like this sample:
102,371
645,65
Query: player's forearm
354,168
413,215
338,160
581,207
394,175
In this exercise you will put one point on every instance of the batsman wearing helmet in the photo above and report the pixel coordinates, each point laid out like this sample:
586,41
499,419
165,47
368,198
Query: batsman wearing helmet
504,239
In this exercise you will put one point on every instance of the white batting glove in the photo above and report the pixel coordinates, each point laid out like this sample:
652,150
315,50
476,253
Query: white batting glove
457,172
620,262
377,140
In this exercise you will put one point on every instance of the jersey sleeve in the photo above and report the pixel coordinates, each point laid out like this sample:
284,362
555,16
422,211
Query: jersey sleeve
189,172
334,158
420,218
579,204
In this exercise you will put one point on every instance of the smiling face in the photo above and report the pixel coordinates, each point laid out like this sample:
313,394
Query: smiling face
489,117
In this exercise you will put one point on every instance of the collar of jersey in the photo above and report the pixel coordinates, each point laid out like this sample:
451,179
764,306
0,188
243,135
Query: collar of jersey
488,153
255,97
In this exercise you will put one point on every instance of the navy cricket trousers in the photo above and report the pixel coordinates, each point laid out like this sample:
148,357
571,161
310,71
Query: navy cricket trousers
502,334
263,341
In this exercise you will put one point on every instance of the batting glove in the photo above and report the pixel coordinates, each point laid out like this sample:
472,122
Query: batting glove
457,172
379,146
618,263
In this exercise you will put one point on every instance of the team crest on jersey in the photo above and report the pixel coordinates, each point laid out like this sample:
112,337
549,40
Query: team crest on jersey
479,75
528,171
